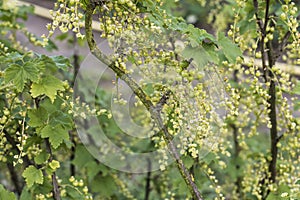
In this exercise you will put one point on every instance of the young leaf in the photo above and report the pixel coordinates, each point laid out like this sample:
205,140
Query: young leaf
47,86
33,175
4,194
20,74
55,134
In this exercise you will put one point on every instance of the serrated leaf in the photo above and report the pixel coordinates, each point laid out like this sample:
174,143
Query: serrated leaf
20,74
56,62
41,158
230,50
37,116
33,175
61,118
198,54
6,195
55,134
47,86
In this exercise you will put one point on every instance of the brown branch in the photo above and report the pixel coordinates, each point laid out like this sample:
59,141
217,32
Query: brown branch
269,77
76,66
272,115
155,114
148,180
266,15
14,178
55,190
258,19
262,47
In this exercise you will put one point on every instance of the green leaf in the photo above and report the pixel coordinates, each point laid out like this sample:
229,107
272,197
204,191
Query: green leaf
296,89
74,193
47,86
188,161
37,117
61,62
6,195
58,117
105,185
55,134
26,194
33,175
230,50
62,36
20,74
23,11
41,157
82,156
198,54
210,157
93,169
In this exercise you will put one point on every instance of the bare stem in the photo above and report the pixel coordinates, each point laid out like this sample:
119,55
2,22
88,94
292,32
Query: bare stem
269,77
148,180
14,178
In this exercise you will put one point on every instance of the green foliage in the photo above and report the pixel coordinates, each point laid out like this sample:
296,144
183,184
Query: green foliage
4,194
20,74
55,134
231,50
47,86
45,158
33,175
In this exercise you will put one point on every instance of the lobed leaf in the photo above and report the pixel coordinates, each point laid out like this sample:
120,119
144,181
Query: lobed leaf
33,175
56,135
19,74
47,86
